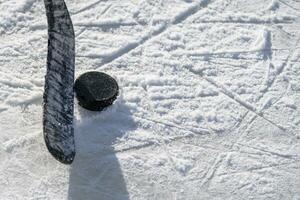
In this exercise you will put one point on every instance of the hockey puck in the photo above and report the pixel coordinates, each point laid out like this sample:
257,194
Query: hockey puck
96,90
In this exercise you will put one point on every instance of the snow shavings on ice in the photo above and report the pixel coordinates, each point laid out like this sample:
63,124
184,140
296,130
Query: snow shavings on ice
208,105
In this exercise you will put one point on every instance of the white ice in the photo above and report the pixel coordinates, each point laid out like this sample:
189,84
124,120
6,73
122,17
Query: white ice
209,105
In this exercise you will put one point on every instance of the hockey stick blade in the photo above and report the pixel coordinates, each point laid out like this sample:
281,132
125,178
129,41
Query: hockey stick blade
58,95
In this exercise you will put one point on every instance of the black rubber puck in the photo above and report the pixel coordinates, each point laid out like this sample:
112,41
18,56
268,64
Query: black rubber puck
96,90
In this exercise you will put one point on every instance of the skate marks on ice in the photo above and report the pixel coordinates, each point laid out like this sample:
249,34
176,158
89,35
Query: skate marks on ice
274,161
153,31
58,95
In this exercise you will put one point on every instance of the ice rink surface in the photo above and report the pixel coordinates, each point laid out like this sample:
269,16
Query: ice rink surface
209,105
